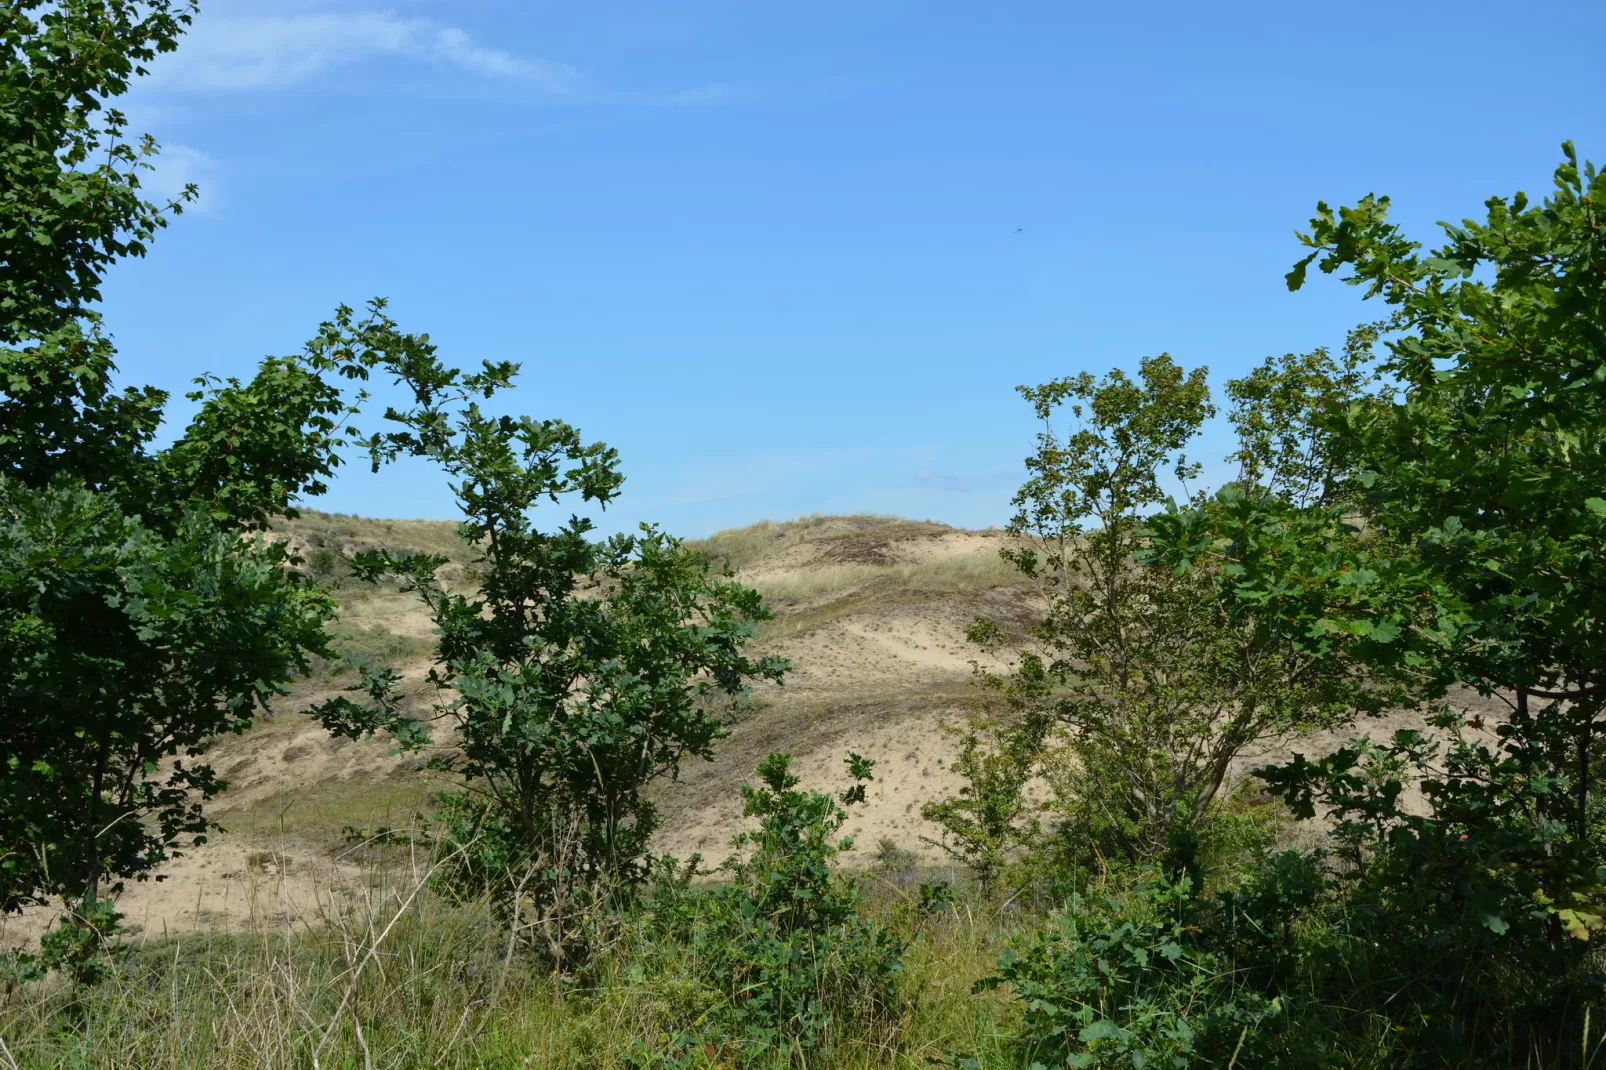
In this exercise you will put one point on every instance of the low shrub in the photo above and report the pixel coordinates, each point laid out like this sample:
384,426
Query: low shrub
784,959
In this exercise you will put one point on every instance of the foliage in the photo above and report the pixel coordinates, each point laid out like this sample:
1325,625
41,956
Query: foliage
785,954
991,820
73,204
76,945
1487,469
140,619
1477,560
1485,902
139,615
1277,412
1448,935
1128,983
893,860
1155,688
577,674
123,648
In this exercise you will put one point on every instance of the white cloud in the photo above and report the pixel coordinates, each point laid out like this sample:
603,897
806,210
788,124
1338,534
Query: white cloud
272,51
175,167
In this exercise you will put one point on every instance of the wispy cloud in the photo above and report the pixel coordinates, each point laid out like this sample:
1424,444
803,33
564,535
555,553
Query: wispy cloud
176,167
273,51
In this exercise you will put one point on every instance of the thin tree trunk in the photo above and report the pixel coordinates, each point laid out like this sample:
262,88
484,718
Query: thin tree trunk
97,784
1584,732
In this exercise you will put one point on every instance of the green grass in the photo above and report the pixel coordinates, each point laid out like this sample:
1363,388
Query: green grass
435,989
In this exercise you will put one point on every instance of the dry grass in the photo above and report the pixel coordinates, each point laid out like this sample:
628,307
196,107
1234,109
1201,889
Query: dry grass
743,547
955,574
322,539
340,531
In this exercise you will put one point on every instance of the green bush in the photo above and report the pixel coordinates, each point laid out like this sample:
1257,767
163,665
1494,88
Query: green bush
784,958
1127,982
1460,933
1473,917
323,562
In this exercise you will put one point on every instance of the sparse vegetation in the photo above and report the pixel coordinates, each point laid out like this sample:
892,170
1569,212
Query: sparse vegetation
742,547
1405,529
951,573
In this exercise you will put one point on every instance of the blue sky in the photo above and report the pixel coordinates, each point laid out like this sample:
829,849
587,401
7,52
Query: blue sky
794,257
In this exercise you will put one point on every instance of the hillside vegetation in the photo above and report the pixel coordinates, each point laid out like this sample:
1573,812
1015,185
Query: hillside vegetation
1297,771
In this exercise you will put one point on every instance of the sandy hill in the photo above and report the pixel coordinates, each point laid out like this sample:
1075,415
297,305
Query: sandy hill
870,611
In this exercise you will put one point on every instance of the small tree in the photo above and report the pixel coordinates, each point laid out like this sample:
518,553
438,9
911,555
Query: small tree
141,611
580,672
1484,563
991,819
1157,690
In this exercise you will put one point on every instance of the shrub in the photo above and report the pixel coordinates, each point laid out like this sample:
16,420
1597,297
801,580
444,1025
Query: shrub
579,671
991,820
785,957
1152,685
1476,919
1126,982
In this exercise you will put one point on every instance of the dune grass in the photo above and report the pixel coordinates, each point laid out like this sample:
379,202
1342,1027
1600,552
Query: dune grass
747,546
953,574
338,531
410,979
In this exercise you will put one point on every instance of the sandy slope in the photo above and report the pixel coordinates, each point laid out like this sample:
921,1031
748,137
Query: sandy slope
879,660
870,612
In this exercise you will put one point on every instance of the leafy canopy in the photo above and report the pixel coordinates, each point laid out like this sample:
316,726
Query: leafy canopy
1153,688
1470,552
576,674
141,611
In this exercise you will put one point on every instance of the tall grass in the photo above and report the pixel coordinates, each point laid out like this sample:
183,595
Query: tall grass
407,978
410,979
